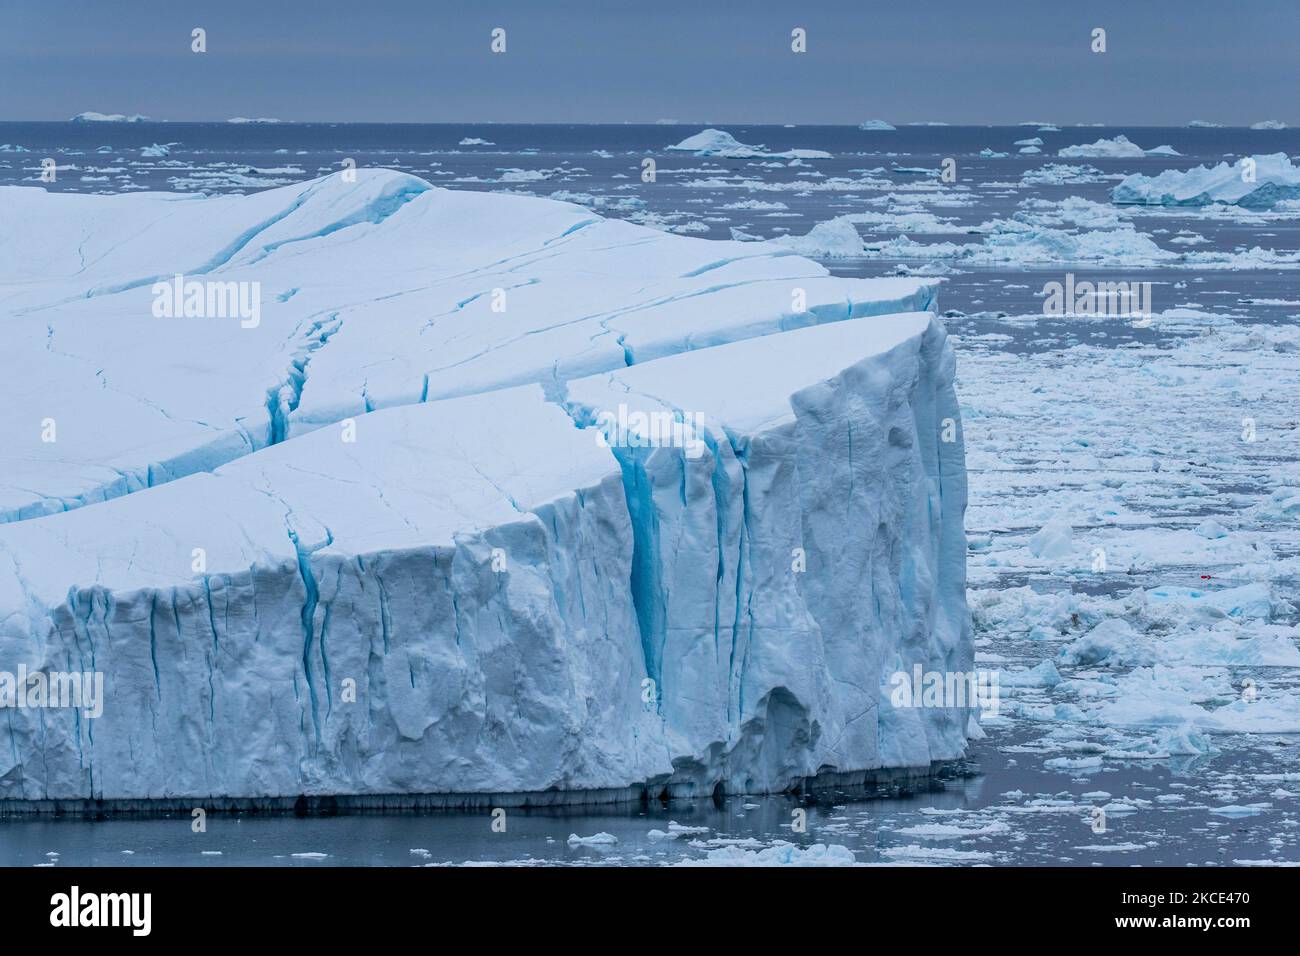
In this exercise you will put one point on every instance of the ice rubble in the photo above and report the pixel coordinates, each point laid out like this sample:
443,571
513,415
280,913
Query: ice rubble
376,293
519,606
1273,179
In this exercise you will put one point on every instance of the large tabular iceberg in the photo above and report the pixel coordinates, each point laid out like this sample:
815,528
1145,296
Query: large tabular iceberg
669,519
1256,182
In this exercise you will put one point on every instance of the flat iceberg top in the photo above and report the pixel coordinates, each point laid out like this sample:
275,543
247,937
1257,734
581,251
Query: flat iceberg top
340,297
415,476
762,374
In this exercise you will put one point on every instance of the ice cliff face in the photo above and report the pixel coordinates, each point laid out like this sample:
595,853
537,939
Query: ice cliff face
670,517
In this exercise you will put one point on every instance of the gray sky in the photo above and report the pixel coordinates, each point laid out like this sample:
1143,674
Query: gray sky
584,61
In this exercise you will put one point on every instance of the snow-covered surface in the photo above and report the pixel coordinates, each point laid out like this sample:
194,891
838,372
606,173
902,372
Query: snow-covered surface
377,293
1272,178
497,586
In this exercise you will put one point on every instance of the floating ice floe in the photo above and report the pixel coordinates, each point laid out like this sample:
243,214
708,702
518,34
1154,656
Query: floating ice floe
781,854
1268,180
597,839
1061,174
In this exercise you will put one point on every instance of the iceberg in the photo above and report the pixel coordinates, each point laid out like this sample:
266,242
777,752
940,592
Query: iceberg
877,125
1268,124
93,117
1118,148
1273,179
652,528
479,597
836,238
716,142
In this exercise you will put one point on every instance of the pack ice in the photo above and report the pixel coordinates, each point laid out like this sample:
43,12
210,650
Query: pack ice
496,497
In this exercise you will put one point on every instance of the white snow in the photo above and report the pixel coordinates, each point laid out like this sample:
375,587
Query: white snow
376,293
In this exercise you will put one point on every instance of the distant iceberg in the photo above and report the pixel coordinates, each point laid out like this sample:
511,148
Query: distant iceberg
1118,148
260,120
716,142
475,141
1274,178
1269,124
877,125
92,117
1204,124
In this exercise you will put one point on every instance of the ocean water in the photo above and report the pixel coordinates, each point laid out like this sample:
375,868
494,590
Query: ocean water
1130,429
